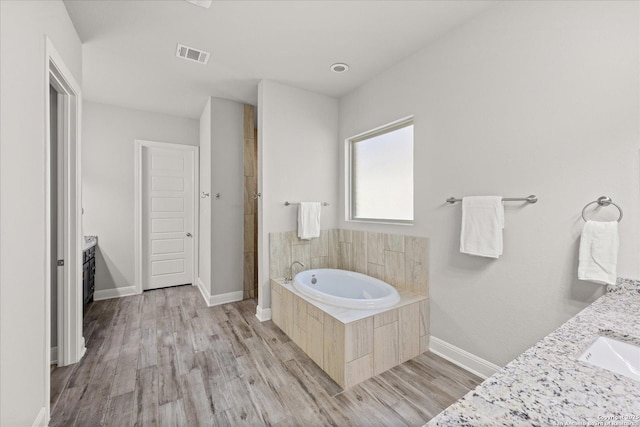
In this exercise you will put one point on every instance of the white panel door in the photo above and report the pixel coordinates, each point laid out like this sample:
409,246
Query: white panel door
167,217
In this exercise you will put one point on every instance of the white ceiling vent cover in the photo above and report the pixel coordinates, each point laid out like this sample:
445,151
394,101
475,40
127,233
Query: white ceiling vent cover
192,54
201,3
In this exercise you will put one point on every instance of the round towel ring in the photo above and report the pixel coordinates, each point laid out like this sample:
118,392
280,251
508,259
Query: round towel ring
602,201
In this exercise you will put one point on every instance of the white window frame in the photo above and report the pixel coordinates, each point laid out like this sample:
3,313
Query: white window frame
389,127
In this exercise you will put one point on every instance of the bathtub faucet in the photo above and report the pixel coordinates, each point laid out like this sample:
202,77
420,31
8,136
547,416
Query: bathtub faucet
290,278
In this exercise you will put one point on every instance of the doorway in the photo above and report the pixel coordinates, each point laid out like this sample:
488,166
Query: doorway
56,214
166,234
63,229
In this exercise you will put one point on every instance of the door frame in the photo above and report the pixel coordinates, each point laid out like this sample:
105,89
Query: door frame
139,145
71,343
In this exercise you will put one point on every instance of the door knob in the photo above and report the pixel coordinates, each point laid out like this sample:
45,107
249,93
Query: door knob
189,235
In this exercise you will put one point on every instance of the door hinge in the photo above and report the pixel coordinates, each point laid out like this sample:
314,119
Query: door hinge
60,263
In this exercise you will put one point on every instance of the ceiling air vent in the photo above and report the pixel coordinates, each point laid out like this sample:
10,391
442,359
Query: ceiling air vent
192,54
201,3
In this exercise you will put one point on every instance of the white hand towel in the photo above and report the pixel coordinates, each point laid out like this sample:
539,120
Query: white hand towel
482,224
598,257
309,220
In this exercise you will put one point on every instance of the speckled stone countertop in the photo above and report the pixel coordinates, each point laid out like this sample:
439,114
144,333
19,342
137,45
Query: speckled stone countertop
547,386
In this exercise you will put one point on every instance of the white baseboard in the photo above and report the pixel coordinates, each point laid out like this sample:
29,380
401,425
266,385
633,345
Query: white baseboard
263,314
41,420
464,359
213,300
54,354
83,347
114,293
226,298
203,290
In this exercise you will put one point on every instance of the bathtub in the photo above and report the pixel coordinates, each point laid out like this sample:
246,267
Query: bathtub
350,344
346,289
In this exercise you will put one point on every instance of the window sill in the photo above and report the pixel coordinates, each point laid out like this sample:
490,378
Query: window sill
381,221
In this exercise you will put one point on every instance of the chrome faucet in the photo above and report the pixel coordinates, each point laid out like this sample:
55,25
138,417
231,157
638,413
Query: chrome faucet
290,278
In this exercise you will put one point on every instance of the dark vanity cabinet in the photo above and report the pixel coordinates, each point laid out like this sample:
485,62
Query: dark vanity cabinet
88,275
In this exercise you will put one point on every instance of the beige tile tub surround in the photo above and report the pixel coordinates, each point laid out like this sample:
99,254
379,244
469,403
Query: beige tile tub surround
352,345
401,261
286,247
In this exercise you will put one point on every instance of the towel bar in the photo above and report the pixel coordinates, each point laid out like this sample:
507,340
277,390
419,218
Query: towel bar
289,204
531,199
602,201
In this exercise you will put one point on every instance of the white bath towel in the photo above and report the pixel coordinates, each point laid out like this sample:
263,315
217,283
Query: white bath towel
309,220
598,257
482,224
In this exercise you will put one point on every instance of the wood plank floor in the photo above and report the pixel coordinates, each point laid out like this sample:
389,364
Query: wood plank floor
165,358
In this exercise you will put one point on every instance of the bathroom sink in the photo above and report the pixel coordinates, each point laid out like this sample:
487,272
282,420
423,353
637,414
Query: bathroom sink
615,356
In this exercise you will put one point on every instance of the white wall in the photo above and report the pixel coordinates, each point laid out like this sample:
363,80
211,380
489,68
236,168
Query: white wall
23,26
221,220
227,213
204,238
297,161
109,134
527,98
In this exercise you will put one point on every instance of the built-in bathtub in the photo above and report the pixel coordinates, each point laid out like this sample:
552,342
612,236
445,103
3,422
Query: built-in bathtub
346,289
350,344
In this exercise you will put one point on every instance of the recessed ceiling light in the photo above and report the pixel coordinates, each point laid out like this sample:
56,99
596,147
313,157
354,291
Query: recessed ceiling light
339,67
202,3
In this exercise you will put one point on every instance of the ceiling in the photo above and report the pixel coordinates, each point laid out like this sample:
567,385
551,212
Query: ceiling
129,46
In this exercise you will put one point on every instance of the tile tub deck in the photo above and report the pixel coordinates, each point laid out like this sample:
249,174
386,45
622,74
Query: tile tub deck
352,345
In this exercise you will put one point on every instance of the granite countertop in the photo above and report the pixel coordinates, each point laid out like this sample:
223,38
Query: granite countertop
547,386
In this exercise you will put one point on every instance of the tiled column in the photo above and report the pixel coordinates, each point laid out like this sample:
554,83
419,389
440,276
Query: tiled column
250,206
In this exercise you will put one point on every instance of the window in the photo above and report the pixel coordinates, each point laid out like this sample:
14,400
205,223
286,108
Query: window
381,174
